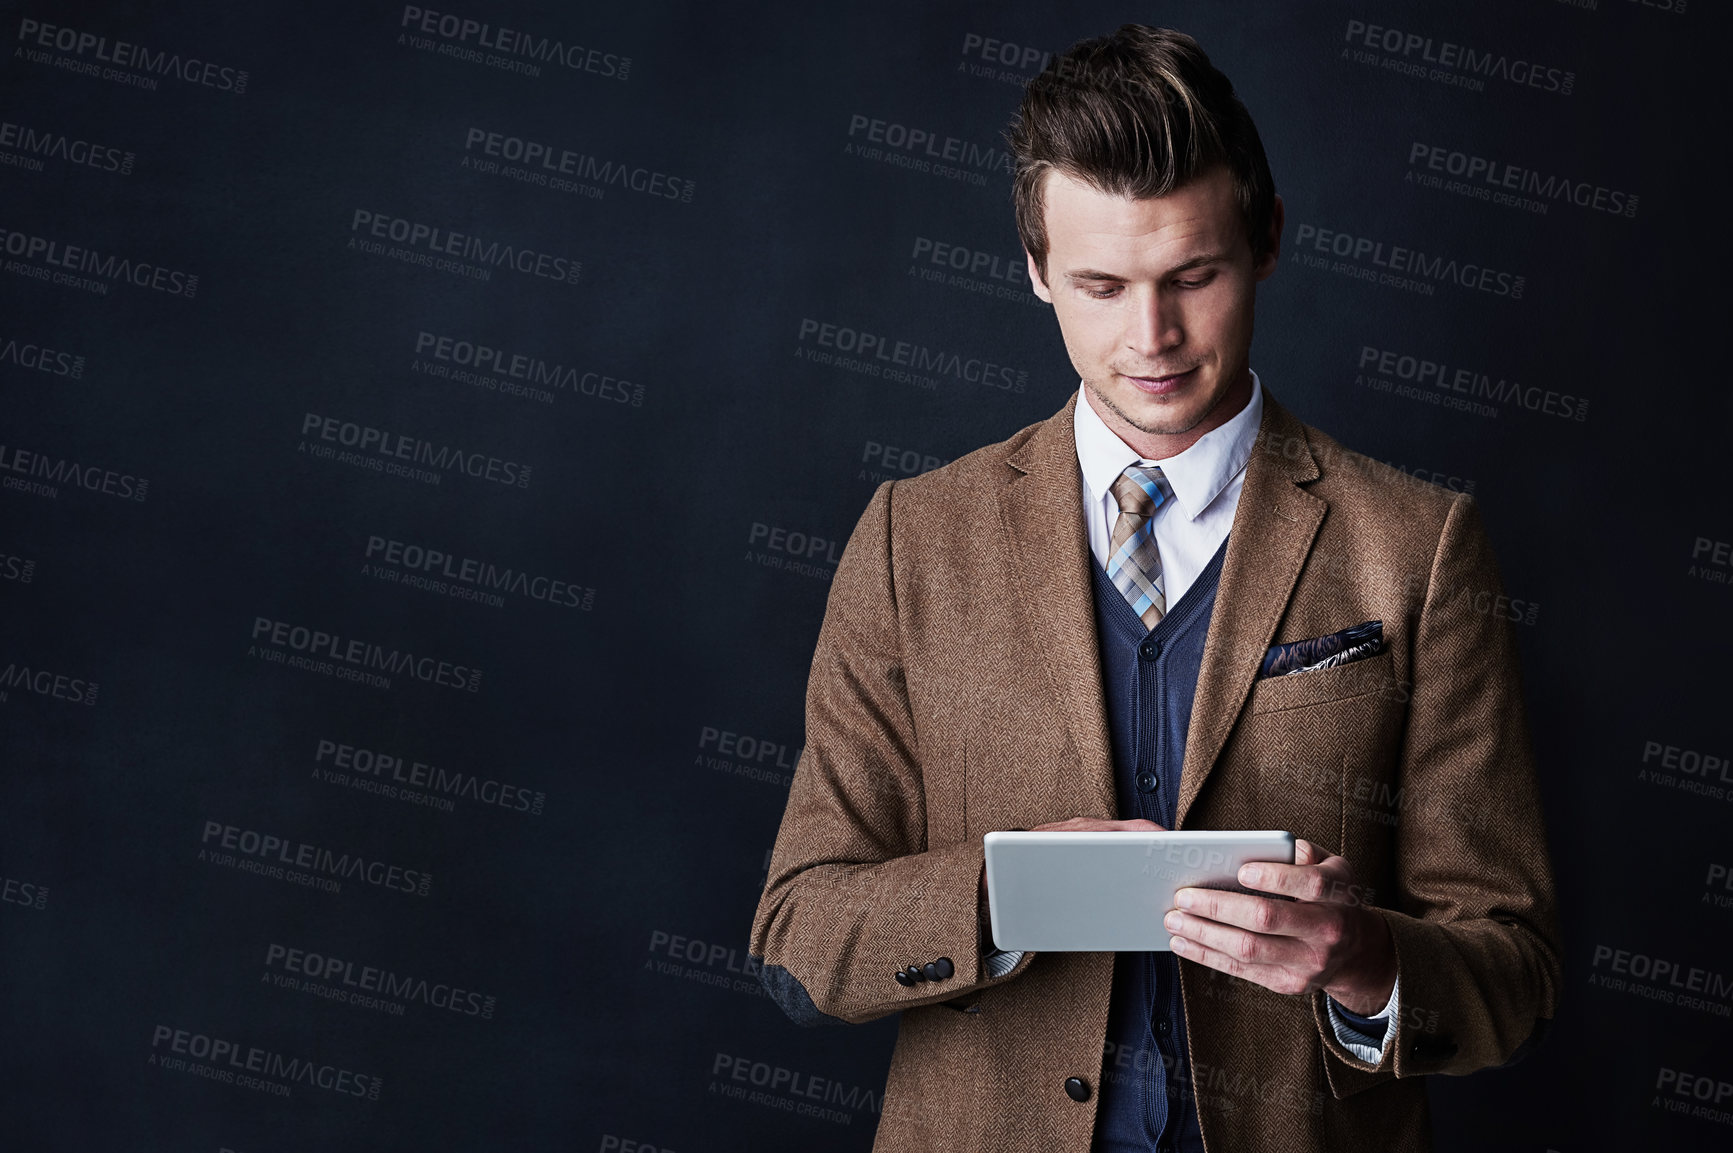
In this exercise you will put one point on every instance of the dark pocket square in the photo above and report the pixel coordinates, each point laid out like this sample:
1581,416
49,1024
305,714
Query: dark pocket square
1351,644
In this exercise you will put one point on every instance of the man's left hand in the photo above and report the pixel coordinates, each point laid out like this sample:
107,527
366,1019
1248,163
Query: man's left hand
1327,938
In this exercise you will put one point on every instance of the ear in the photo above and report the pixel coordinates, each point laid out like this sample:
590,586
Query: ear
1264,268
1038,285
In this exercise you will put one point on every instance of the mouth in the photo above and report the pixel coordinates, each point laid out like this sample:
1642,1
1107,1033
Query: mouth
1162,385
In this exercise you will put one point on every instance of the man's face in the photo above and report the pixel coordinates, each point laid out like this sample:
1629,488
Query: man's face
1154,299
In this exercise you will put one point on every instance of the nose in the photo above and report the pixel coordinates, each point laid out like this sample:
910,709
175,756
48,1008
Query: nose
1155,328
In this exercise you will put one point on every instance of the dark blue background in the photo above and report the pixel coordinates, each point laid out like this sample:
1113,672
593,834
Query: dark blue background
654,505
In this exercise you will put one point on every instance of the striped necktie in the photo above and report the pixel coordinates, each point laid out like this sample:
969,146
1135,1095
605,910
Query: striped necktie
1133,565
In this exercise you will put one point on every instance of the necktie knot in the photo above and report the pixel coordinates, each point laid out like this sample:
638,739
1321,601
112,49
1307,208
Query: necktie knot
1140,490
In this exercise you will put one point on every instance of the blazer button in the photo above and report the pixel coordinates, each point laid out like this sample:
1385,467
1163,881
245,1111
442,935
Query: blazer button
903,978
930,970
1077,1088
915,974
944,966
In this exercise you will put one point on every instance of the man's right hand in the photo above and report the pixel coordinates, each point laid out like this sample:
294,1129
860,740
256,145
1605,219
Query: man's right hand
1085,825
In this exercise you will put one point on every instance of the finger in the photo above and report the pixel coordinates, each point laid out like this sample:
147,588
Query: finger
1272,977
1246,911
1242,945
1327,881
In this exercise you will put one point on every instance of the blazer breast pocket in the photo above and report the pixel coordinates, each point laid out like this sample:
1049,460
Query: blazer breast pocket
1373,674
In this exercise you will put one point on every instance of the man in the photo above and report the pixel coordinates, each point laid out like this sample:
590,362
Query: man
1170,605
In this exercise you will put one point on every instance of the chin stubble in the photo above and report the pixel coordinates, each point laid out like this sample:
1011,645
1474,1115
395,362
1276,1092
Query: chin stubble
1152,430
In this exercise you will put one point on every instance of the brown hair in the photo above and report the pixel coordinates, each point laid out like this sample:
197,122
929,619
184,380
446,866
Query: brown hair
1137,114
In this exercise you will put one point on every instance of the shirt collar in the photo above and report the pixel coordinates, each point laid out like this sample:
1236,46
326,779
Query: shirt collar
1198,475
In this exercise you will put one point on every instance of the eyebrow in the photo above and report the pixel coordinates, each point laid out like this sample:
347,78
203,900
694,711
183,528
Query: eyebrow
1086,274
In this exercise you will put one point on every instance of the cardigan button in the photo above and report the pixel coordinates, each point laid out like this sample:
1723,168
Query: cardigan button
1077,1088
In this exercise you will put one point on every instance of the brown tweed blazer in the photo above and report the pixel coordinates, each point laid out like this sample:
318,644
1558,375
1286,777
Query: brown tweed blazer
956,689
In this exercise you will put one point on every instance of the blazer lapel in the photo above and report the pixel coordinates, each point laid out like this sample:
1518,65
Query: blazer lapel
1273,530
1047,546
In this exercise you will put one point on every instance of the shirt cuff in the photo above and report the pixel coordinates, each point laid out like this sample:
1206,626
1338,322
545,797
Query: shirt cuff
1366,1037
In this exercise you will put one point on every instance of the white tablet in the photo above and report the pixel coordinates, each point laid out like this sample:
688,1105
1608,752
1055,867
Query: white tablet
1107,892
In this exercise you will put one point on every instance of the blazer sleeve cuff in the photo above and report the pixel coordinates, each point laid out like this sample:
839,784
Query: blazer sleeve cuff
929,950
1353,1063
1365,1036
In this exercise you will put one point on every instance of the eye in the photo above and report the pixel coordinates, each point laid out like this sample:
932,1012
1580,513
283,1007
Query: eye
1105,293
1197,282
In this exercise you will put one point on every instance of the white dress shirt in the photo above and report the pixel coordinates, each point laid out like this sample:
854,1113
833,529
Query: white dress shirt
1206,480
